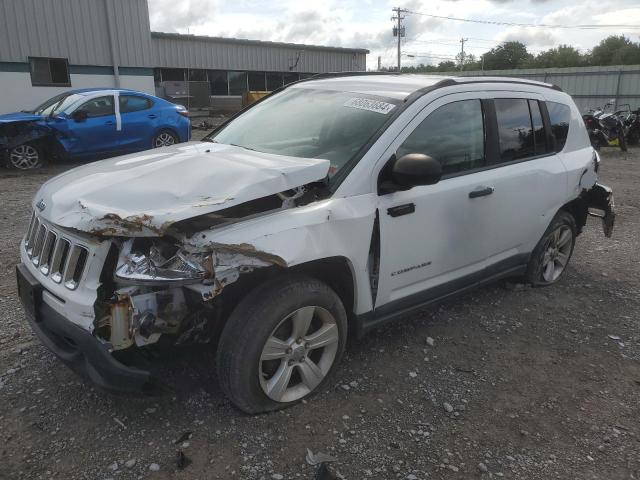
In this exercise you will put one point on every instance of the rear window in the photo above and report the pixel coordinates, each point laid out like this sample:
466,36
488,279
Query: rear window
133,103
514,129
559,117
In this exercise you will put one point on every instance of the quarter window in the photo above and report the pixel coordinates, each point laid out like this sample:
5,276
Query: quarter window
559,117
514,129
99,106
133,103
452,134
49,71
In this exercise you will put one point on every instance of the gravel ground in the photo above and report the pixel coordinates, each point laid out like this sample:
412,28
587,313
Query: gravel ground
505,382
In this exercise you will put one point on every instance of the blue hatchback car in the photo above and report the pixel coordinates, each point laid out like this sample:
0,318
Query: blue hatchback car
90,124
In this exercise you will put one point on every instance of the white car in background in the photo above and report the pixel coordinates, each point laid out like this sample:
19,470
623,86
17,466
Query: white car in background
325,209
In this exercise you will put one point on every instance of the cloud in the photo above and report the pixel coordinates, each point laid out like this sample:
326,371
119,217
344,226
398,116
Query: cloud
532,37
180,15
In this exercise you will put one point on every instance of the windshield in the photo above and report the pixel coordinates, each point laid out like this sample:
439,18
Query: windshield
57,104
309,123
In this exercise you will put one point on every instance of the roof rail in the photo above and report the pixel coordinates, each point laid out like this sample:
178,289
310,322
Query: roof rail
453,79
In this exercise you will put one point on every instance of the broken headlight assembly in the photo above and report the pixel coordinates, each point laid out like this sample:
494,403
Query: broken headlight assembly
158,261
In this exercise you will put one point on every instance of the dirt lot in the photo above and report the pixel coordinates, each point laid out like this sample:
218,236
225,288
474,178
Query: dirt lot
541,383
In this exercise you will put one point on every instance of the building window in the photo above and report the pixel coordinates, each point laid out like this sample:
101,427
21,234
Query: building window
218,83
257,82
49,72
237,83
197,75
274,81
172,74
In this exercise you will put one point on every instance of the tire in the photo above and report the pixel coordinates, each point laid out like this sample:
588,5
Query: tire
28,156
253,371
164,138
622,141
554,248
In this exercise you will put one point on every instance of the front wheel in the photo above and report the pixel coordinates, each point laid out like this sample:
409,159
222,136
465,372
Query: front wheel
164,138
552,253
281,344
27,156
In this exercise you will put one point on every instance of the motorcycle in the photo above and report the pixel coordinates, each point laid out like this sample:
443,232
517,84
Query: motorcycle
606,129
632,127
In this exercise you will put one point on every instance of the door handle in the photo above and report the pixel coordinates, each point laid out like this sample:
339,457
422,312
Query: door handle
152,115
400,210
481,192
109,122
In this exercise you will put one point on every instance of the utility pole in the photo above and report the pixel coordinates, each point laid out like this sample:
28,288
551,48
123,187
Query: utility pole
398,31
462,40
379,62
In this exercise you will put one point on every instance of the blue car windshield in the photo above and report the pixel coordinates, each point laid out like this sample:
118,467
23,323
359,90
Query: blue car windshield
57,104
311,123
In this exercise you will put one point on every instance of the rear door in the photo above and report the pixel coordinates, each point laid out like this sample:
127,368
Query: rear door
528,179
97,135
139,122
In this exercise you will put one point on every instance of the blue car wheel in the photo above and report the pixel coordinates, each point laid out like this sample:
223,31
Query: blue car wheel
25,157
164,138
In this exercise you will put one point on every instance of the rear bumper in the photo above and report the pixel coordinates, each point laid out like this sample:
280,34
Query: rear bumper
76,347
600,198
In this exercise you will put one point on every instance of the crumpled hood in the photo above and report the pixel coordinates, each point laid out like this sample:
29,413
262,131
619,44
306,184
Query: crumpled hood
144,193
19,117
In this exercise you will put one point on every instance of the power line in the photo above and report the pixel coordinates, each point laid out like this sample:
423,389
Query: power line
512,24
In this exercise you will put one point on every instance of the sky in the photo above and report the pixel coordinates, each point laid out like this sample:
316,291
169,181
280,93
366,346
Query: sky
367,24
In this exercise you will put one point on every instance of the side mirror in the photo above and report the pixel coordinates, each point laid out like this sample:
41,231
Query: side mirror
415,169
80,115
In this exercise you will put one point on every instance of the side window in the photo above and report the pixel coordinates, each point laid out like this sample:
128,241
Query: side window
133,103
452,134
539,135
514,129
99,106
559,117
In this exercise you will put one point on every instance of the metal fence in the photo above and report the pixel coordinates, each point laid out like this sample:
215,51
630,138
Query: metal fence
590,87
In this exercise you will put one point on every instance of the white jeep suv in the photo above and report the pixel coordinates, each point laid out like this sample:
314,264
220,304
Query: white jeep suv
331,206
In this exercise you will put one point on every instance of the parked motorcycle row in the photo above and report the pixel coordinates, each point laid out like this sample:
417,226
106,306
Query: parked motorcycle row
613,128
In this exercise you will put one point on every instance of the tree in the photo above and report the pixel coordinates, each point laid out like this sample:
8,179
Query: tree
506,56
562,56
615,50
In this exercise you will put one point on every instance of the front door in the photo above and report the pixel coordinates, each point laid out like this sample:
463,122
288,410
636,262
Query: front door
435,237
97,135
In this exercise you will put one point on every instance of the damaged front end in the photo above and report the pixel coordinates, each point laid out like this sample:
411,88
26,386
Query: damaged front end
162,288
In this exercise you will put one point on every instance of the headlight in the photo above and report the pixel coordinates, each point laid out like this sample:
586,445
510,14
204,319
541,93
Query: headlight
157,261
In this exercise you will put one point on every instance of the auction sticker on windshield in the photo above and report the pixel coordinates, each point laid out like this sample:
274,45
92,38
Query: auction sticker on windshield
371,105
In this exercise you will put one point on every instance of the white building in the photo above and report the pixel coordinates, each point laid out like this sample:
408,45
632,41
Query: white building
48,46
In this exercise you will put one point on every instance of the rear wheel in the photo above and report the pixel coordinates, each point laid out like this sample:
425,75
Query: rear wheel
164,138
281,344
622,141
552,253
27,156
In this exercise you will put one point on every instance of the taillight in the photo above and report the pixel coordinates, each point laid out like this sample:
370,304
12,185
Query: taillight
184,113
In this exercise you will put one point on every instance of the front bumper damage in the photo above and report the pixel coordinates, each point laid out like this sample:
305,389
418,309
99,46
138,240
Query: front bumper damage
75,346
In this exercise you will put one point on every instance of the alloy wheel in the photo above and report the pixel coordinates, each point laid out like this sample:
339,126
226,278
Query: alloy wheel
557,253
164,139
24,157
298,354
